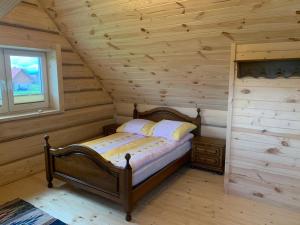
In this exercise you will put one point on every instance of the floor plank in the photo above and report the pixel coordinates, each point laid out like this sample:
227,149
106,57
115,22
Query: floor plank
188,197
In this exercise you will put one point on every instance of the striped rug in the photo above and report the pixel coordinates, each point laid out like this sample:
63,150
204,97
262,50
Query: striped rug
20,212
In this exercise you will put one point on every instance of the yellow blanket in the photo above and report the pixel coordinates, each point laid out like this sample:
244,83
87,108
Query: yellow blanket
119,144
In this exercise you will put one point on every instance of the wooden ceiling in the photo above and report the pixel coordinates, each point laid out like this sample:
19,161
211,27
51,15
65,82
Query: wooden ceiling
7,5
169,52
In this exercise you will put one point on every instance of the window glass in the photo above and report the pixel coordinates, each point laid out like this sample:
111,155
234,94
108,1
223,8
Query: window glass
27,79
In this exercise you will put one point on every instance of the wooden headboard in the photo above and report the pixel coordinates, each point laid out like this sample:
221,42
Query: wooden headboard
165,113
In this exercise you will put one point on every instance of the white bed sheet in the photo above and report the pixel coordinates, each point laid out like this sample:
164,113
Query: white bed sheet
149,169
143,150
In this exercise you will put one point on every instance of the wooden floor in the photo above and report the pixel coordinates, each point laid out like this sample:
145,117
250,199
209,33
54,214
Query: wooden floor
188,197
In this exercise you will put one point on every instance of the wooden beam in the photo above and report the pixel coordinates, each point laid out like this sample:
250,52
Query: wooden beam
7,5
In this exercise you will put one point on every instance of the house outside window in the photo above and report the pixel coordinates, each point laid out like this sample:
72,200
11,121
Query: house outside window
25,81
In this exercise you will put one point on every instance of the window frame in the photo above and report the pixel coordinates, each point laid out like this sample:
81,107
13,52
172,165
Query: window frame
30,106
3,84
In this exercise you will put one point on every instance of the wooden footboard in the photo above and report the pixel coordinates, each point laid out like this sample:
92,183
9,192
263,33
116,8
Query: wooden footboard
86,169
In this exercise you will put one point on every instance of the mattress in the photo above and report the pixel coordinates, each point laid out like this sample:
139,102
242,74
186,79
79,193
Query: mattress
148,154
149,169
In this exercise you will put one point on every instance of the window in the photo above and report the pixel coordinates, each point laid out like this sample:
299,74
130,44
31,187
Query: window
30,81
24,80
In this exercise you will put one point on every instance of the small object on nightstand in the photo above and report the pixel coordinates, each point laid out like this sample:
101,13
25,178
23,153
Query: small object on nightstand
110,129
208,153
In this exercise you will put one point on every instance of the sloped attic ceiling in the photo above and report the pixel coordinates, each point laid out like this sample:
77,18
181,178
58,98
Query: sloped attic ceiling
170,52
7,5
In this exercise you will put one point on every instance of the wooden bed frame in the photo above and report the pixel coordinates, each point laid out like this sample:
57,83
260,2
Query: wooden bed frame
86,169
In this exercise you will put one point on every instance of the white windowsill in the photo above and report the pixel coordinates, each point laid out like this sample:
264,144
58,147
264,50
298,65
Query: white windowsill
26,115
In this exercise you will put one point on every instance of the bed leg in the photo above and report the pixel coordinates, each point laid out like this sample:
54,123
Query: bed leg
50,185
48,165
128,217
128,188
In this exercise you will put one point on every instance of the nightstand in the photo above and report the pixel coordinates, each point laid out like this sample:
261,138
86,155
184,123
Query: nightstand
110,129
208,153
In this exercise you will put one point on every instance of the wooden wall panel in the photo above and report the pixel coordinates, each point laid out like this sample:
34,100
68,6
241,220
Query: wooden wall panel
23,14
174,53
22,168
263,157
213,121
87,105
14,129
82,99
76,72
9,150
81,84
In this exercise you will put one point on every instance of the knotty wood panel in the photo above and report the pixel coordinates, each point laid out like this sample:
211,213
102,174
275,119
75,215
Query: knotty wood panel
73,85
76,72
23,14
7,5
75,100
34,144
21,168
213,121
14,129
139,45
263,155
87,106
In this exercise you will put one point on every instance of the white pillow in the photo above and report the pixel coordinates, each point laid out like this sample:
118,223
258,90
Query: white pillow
136,126
172,130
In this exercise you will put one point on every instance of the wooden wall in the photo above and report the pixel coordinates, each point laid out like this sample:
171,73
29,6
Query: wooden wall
168,52
213,121
87,106
263,148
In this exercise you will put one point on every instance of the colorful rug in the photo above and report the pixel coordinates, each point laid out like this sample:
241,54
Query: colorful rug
19,212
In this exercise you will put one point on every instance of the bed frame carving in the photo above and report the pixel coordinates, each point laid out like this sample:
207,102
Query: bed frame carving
86,169
161,113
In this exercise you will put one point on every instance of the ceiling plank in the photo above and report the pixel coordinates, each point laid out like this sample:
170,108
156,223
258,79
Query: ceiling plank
7,5
164,53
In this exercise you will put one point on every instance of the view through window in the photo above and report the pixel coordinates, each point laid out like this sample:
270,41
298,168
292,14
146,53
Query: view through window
27,79
23,80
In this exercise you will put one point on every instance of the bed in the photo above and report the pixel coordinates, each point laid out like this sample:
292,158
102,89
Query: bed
85,168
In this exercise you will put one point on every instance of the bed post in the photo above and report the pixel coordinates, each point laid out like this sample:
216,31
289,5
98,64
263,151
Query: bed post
48,162
128,188
198,121
135,111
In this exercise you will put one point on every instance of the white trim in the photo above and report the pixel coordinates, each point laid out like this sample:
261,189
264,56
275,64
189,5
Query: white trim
27,115
55,78
26,106
4,106
232,76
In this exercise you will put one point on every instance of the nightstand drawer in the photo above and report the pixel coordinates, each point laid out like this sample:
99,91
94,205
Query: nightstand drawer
208,161
206,149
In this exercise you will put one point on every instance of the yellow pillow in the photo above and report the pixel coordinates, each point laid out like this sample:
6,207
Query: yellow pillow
183,130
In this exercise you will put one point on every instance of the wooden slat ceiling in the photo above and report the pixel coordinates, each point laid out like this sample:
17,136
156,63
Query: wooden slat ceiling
170,52
7,5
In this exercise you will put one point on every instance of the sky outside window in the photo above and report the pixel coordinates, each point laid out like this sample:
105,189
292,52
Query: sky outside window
27,78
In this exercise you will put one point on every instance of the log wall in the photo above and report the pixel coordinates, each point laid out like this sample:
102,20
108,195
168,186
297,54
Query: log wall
87,106
213,121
